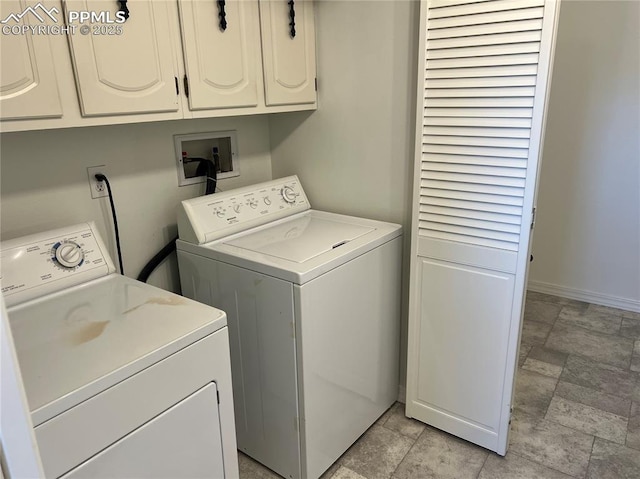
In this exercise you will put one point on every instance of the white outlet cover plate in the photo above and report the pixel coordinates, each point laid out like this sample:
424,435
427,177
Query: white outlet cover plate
98,188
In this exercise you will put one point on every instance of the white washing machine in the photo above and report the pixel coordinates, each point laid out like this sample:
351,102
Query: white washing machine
313,305
122,379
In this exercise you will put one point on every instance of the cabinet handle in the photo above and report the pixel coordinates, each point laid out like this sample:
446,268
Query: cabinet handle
124,9
222,14
292,19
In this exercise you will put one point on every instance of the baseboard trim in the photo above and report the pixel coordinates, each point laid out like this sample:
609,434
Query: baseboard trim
587,296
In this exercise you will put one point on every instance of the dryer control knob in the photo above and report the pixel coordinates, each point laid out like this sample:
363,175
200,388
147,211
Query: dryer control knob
68,254
288,194
236,208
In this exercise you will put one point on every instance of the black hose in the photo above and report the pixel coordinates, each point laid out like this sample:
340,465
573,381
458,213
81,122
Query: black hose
101,177
205,168
156,260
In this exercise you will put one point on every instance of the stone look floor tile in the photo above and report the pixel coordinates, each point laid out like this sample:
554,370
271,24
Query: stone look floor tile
522,354
598,308
254,470
590,397
630,328
631,315
547,298
551,444
328,474
535,333
633,429
548,356
344,473
588,419
613,461
513,466
398,422
377,453
541,311
602,377
382,419
441,456
635,360
597,346
603,321
543,368
533,392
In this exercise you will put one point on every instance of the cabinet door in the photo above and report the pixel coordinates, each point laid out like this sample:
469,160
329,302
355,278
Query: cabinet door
220,59
130,72
28,85
289,60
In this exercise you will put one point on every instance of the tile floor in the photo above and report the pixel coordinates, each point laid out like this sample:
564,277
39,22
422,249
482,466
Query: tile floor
577,410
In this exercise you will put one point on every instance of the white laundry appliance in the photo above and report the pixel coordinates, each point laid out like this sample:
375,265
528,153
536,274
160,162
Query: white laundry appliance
122,379
313,304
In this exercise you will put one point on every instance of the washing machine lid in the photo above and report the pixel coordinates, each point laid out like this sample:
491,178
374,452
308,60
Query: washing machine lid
299,248
74,344
301,239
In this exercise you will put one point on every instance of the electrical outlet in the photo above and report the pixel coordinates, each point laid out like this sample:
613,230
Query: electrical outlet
98,188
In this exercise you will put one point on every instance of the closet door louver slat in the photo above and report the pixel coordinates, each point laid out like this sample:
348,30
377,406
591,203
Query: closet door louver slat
474,160
462,213
486,29
484,51
502,39
481,67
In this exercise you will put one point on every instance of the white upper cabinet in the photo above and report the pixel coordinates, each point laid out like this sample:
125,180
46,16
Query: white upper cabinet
221,52
28,84
288,51
170,59
130,72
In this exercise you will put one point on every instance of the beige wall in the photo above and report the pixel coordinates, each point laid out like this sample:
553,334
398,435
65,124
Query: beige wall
44,182
355,154
587,236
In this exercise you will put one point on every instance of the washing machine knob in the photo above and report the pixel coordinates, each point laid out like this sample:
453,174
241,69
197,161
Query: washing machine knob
68,254
288,194
236,208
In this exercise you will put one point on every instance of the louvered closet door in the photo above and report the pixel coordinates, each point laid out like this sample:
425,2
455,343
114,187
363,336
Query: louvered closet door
485,69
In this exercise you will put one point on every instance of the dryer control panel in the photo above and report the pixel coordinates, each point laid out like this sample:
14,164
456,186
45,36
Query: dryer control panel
35,265
207,218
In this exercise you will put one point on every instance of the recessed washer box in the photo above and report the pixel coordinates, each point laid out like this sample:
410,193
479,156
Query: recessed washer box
220,147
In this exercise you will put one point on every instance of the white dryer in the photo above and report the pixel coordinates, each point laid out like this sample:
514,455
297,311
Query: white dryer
122,379
313,305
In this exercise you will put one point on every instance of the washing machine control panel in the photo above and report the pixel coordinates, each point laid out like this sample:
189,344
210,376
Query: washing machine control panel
211,217
39,264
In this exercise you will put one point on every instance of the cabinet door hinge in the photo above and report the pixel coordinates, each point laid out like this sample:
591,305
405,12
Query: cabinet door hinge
177,86
316,83
186,86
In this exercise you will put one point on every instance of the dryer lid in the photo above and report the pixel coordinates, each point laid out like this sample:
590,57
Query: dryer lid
301,239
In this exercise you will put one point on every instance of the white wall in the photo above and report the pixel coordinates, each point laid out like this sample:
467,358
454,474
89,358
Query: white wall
44,182
355,154
587,236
